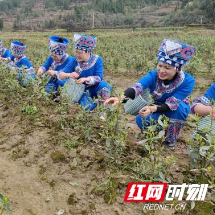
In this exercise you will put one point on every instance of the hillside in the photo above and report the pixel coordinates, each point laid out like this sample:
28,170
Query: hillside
87,14
80,15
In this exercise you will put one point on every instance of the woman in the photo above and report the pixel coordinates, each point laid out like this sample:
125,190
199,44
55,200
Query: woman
20,63
57,61
88,69
169,86
4,53
204,105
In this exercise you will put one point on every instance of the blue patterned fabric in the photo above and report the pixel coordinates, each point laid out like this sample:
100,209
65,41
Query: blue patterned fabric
175,53
84,42
5,53
56,46
18,48
171,60
22,61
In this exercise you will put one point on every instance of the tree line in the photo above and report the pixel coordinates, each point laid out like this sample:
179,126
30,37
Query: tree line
111,13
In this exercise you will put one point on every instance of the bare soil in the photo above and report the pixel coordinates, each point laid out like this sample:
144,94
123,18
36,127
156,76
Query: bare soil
41,176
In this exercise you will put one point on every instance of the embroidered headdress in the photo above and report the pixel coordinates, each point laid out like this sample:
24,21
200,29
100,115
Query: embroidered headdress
175,53
17,47
58,45
84,42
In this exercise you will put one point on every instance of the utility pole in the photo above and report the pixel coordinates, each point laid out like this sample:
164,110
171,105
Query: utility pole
93,20
201,17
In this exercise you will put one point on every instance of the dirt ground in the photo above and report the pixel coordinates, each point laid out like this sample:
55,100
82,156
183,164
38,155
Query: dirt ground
36,184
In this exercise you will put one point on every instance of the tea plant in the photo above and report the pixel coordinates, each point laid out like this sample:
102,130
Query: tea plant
155,165
29,109
4,206
87,122
201,149
114,131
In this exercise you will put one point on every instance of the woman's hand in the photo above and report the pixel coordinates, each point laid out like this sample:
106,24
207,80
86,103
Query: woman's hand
64,75
3,59
145,111
113,101
52,72
82,80
39,72
73,75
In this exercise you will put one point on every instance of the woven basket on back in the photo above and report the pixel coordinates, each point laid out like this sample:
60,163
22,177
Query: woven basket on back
73,91
134,106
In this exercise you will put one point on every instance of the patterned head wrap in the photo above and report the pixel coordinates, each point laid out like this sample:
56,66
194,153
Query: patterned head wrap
58,45
84,42
175,53
17,47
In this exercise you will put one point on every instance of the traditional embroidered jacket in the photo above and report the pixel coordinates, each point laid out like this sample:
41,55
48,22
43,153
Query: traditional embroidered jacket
63,65
22,62
92,69
171,94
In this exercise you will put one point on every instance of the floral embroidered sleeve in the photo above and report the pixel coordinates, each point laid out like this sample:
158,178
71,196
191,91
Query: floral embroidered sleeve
200,100
172,102
93,80
138,89
144,83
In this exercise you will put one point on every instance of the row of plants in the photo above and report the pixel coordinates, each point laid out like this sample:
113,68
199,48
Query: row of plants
113,142
127,51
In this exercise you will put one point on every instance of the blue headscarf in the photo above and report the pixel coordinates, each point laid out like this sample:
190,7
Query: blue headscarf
58,45
84,42
175,53
17,48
